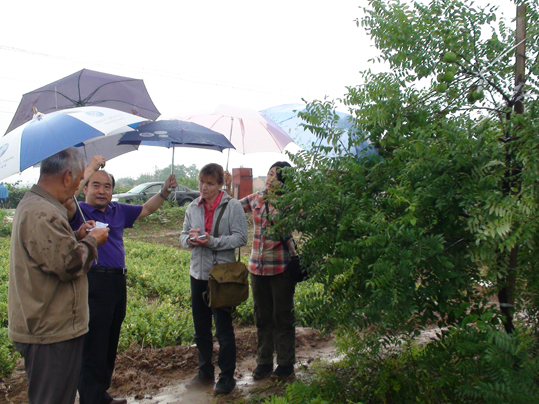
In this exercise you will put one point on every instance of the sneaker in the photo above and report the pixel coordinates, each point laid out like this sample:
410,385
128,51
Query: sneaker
224,385
283,372
262,371
201,380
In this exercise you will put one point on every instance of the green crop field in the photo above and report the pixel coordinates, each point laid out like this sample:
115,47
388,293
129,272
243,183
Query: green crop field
159,309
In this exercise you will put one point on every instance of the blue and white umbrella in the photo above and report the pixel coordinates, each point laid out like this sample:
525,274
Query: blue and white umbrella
286,116
49,134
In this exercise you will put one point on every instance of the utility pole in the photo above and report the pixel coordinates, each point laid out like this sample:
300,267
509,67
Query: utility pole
520,73
506,294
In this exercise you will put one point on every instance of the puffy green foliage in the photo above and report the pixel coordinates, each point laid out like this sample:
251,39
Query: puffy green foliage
401,240
465,365
445,216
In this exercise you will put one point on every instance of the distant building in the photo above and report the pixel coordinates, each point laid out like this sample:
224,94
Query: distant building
259,183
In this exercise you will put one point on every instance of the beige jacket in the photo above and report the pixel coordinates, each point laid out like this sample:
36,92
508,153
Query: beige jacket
48,288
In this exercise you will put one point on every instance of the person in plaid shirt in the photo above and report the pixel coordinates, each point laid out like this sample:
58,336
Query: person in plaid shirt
273,289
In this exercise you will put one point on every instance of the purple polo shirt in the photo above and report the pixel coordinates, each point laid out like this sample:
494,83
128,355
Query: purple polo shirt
118,216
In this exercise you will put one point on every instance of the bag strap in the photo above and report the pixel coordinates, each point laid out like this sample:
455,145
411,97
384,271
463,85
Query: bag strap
216,231
221,213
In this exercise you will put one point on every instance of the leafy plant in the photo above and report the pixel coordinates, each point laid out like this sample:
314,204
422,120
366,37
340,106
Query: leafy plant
442,218
5,222
16,192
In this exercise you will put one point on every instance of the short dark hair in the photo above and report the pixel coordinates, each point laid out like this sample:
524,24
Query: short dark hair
214,170
68,159
109,174
279,165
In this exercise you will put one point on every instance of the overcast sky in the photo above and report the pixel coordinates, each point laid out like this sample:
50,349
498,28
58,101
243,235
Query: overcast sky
190,54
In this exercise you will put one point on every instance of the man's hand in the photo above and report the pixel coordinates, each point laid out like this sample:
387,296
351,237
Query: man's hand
97,163
83,229
101,235
152,204
171,182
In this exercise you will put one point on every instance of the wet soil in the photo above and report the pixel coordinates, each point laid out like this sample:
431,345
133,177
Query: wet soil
158,376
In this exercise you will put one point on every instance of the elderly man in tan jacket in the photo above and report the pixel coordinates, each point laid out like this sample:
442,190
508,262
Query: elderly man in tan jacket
48,289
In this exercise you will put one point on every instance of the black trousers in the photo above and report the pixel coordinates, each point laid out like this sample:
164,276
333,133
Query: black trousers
273,298
202,319
107,301
52,370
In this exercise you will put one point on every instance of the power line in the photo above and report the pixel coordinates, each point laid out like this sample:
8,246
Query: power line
155,72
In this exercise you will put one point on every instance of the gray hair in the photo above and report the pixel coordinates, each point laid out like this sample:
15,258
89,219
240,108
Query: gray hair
67,160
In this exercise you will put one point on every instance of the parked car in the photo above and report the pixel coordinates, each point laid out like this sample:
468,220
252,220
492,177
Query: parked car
141,193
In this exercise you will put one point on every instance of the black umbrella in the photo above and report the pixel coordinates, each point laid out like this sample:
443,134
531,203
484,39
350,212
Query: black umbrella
87,88
175,133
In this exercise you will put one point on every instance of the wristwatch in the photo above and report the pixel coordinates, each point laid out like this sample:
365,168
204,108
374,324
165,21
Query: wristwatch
161,195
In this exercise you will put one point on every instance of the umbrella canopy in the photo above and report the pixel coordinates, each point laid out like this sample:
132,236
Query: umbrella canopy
172,133
106,146
49,134
286,116
87,88
248,130
175,133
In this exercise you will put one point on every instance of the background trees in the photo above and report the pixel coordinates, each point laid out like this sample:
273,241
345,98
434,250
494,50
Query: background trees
184,175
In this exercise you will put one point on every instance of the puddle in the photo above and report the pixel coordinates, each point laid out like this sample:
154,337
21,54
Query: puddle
246,386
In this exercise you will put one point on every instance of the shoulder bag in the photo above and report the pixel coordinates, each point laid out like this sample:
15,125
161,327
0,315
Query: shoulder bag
298,273
228,283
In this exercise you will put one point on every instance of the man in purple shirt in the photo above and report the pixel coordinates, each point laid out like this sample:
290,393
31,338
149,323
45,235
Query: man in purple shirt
106,280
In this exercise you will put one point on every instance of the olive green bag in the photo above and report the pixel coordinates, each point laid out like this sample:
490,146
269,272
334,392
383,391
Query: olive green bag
228,284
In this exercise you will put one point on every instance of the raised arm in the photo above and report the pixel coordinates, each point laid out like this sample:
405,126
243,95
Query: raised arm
157,200
96,163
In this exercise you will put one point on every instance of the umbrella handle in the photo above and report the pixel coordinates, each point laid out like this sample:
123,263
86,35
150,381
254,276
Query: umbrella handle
230,139
172,168
78,207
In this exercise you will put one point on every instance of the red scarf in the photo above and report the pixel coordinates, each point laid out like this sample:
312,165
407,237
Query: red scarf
208,213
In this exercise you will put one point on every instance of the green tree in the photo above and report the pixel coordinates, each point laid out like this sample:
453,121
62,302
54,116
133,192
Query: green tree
429,230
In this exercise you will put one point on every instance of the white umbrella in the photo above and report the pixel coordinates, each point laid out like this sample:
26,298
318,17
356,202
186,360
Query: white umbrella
247,129
49,134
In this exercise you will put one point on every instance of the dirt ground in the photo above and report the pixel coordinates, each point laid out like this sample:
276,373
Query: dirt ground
158,376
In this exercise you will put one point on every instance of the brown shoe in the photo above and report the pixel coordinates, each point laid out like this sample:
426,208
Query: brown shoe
119,401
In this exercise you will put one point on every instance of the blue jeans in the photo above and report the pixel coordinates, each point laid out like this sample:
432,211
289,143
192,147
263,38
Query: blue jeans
202,319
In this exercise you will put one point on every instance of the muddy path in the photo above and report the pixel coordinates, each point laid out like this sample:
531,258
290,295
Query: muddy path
158,376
